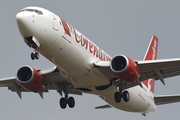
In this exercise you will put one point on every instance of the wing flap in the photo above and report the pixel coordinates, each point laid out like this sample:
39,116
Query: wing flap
160,100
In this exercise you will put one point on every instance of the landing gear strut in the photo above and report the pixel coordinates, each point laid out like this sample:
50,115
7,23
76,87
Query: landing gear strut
34,55
65,100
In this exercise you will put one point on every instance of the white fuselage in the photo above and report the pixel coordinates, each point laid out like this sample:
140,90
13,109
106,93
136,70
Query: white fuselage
74,54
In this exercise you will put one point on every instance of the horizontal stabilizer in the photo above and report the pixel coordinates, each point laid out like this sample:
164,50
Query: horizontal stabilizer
160,100
103,107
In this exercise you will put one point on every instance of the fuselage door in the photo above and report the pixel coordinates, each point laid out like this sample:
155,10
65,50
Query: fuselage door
55,23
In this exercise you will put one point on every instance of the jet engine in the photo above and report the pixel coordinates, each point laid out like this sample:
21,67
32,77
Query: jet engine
125,68
30,78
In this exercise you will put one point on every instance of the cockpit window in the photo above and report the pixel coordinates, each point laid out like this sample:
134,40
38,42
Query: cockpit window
39,12
33,10
30,10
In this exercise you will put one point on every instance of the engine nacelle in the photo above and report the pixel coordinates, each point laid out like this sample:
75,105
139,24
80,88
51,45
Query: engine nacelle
125,68
30,78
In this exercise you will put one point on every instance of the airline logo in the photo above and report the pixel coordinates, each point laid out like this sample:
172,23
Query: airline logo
150,84
152,52
151,55
87,44
65,26
154,48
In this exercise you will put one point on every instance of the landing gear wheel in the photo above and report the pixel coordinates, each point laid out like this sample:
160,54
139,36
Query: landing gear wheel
117,97
71,102
63,103
126,96
34,55
37,55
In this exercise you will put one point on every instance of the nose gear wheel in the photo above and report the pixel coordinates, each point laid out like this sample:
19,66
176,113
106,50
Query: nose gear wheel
34,55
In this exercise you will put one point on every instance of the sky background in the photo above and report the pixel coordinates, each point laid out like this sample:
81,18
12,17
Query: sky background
116,26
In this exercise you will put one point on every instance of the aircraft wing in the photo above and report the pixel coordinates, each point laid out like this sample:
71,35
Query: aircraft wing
160,100
158,69
52,78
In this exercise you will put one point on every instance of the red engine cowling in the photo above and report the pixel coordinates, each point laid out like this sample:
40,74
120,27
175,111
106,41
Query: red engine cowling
31,79
125,68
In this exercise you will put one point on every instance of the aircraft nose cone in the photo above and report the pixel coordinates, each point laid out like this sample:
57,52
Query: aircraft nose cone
19,17
24,24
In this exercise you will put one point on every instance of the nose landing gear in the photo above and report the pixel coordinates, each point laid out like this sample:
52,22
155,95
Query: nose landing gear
35,55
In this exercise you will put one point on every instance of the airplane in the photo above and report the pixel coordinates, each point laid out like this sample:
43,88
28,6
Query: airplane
83,67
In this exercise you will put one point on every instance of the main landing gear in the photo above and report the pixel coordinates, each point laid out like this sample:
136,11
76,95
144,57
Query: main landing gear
118,95
34,55
65,100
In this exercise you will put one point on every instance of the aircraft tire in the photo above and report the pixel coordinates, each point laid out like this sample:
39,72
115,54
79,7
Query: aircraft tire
36,55
117,97
63,103
32,56
126,96
71,102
